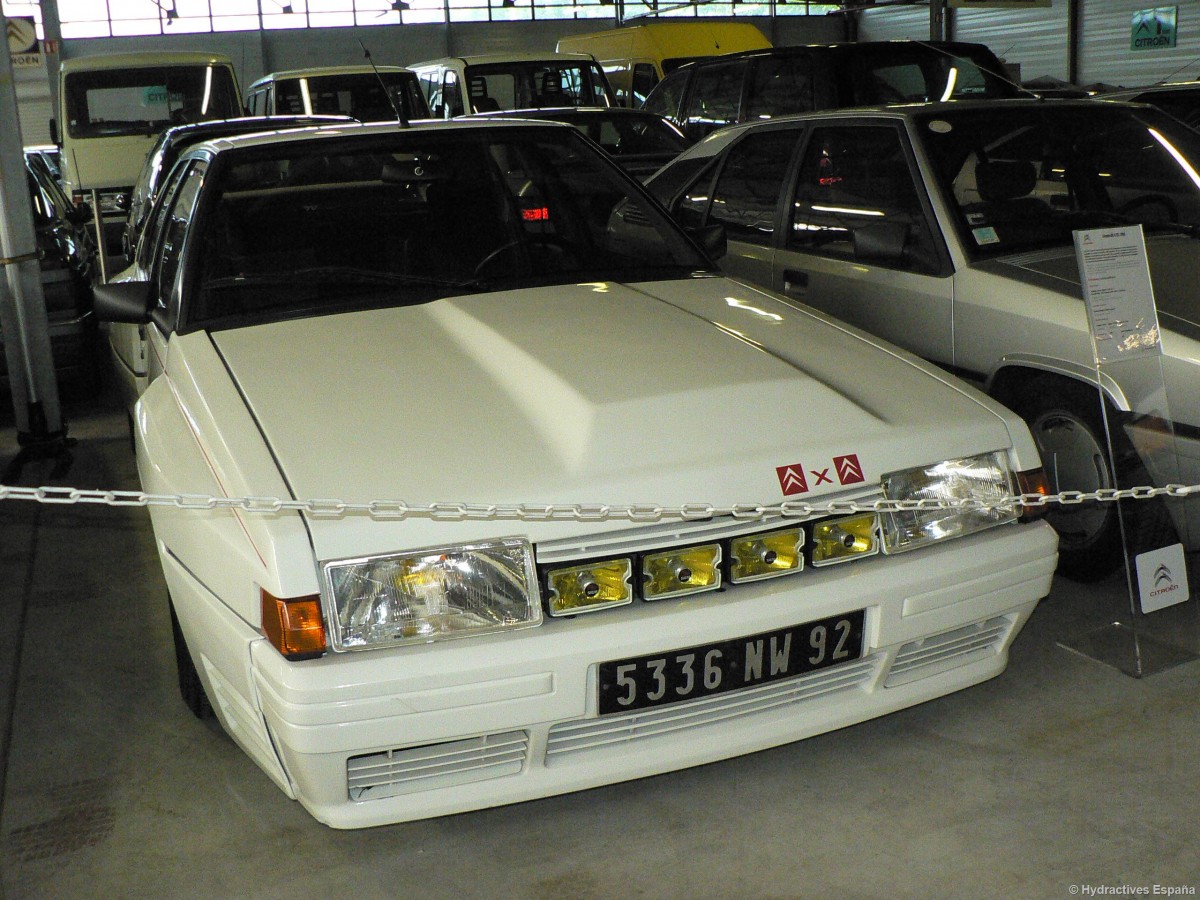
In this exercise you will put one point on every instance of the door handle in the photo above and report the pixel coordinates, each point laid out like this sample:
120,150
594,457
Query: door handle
795,282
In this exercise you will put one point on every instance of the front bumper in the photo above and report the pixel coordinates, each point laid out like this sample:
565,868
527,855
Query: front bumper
386,736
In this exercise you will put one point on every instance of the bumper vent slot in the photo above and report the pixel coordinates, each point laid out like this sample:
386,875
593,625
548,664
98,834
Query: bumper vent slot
571,738
395,772
920,659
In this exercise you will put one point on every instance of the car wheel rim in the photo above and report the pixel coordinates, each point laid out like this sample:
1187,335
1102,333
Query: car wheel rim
1075,460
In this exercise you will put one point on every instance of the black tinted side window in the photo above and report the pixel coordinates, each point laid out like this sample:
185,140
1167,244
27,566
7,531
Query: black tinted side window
746,197
780,85
856,198
174,232
715,98
644,80
664,99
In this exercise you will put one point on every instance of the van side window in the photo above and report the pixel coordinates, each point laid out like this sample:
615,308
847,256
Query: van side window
856,199
780,85
288,98
746,197
715,98
664,99
644,79
452,104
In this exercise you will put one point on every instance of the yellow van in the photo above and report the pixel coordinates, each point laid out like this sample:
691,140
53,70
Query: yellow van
636,57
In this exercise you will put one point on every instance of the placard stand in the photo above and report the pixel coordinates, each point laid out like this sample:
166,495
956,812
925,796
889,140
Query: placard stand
1158,627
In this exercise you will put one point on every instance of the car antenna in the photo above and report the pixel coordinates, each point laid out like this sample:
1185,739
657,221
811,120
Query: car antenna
1190,62
1003,76
396,106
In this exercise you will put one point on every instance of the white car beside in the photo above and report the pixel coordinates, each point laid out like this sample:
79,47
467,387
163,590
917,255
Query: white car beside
617,555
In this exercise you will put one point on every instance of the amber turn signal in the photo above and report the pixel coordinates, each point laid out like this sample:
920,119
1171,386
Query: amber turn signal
294,627
1033,482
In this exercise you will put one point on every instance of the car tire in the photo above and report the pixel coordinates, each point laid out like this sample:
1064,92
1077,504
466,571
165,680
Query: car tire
1067,424
191,689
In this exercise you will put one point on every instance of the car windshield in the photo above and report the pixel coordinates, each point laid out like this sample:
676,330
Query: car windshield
1024,178
107,102
325,225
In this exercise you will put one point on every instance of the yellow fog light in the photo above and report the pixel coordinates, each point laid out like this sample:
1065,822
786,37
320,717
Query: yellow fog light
590,587
757,556
842,539
688,570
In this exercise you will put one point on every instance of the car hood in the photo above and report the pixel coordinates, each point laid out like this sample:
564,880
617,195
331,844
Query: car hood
1173,262
667,393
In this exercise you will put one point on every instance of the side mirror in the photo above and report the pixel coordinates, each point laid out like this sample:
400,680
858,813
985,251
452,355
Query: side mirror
125,301
80,214
712,240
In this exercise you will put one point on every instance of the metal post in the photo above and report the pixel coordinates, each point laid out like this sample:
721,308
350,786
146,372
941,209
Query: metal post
40,428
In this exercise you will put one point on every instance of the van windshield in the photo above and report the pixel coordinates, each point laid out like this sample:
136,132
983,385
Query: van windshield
111,102
536,85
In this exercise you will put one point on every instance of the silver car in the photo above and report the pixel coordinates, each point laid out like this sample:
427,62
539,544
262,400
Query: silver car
947,228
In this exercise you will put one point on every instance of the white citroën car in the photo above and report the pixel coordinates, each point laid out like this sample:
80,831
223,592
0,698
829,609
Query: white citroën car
493,313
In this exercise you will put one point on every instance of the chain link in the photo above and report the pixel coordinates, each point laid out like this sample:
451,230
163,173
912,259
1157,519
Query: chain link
578,512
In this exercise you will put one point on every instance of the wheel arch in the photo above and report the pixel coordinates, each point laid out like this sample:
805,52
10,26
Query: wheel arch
1014,373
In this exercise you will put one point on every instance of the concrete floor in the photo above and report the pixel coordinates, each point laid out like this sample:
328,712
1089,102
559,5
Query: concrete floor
1061,776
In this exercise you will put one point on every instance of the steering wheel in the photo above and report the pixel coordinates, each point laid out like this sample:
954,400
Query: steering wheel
549,242
1150,208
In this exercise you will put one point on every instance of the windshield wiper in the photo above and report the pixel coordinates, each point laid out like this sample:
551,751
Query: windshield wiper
1116,218
348,274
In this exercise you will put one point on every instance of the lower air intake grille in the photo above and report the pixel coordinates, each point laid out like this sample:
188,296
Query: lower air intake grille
928,656
591,734
395,772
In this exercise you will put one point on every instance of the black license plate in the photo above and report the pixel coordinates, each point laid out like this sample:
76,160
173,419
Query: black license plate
678,675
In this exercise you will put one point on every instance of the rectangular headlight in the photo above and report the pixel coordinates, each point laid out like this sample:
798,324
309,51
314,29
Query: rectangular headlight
590,587
837,540
688,570
984,479
431,595
768,555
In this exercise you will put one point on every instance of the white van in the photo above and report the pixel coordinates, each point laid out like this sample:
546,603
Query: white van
458,85
356,91
111,109
637,57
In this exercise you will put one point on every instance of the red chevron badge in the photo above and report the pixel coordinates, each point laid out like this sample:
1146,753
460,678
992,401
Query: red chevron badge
791,479
849,469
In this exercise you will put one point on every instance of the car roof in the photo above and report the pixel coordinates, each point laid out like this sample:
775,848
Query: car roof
318,71
906,111
491,58
352,127
1162,86
195,132
838,46
575,112
143,60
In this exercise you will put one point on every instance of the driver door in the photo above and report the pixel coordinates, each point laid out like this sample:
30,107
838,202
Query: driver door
860,241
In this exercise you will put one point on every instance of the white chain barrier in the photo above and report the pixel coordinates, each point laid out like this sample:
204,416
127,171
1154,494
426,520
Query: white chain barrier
579,512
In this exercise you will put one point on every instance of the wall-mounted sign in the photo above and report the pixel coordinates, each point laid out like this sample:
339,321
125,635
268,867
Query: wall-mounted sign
1153,29
23,42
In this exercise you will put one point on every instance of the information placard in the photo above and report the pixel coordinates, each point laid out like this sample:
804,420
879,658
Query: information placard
1118,292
